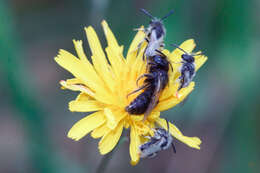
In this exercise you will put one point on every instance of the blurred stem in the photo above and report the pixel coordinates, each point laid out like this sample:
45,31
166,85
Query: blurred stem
106,159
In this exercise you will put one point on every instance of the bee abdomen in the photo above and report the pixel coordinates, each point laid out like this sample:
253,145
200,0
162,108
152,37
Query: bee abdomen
140,104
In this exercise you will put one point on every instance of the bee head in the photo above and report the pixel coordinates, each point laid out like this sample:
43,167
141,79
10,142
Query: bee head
187,58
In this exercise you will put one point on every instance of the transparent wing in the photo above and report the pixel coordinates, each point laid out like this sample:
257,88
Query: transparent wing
154,99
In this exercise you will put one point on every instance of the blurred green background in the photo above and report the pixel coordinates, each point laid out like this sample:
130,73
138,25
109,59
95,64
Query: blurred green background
223,110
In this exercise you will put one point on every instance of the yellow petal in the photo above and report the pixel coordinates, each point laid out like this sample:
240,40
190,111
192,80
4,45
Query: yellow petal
85,61
73,81
169,91
136,117
134,146
100,131
98,58
77,68
114,51
111,40
193,142
101,96
153,116
79,50
132,51
110,139
139,65
199,61
75,87
85,106
86,125
113,117
173,100
83,97
142,128
116,63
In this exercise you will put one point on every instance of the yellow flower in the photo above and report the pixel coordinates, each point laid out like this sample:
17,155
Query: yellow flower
104,84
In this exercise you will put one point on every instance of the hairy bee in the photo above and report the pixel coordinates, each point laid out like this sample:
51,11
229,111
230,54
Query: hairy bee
155,81
161,140
187,68
155,34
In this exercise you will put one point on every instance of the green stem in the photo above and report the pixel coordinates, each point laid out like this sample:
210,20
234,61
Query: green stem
106,159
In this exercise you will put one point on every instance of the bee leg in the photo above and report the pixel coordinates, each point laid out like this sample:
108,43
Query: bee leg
139,47
142,87
160,52
144,53
162,45
167,125
182,81
145,48
147,137
152,155
144,75
171,66
173,147
151,63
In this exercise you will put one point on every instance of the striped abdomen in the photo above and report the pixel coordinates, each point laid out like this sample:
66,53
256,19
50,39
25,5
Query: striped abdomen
140,104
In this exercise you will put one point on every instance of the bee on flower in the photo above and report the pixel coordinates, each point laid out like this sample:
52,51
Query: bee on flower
154,35
155,81
161,140
103,85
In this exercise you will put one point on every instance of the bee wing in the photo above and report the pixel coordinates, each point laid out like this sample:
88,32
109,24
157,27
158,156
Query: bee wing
187,78
154,99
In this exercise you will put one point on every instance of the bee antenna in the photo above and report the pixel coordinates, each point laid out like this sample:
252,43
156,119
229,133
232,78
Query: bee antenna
173,147
174,45
167,15
147,13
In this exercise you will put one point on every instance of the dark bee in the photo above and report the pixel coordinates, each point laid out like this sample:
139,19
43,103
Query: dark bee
161,140
155,81
187,68
155,34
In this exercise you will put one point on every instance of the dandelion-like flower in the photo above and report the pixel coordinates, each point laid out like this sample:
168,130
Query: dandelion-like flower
104,84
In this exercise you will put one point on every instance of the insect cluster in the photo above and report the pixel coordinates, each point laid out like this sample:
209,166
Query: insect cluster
156,79
161,140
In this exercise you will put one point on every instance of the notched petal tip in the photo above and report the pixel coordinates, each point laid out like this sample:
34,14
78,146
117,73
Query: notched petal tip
193,142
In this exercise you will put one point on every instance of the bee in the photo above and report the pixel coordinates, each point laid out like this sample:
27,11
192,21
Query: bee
187,68
154,34
155,81
161,140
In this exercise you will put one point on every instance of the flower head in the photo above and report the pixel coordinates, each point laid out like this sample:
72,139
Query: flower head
104,84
